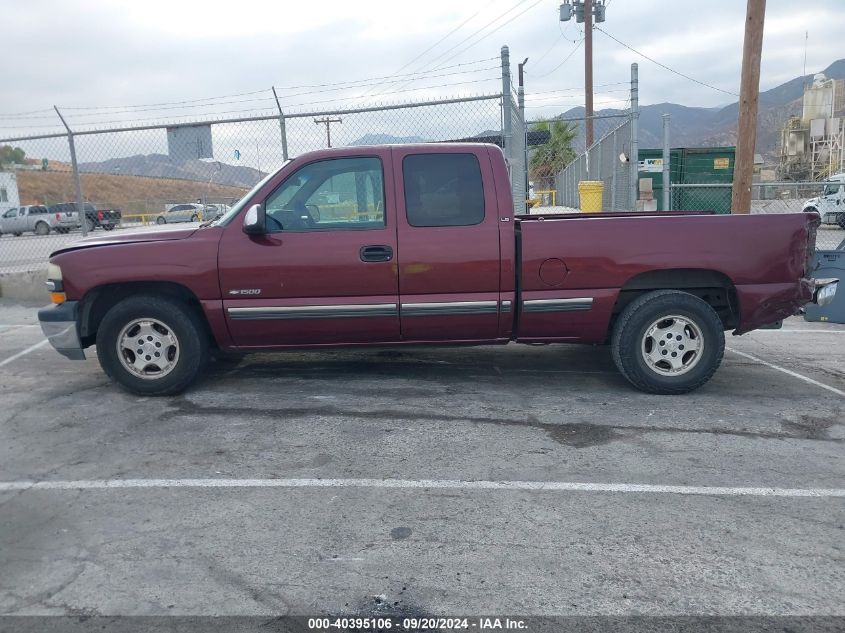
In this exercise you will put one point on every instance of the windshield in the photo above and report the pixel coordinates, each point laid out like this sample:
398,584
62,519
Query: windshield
831,189
227,217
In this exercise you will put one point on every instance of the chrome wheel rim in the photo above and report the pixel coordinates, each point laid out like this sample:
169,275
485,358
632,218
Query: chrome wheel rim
148,348
672,345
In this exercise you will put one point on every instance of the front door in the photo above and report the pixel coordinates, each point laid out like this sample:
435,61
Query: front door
449,255
325,271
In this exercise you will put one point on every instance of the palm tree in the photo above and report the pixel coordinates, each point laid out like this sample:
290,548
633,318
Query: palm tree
548,159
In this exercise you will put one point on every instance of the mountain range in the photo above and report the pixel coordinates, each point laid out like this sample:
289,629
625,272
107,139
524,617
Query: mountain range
691,126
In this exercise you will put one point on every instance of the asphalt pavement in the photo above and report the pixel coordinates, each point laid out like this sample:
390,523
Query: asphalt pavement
509,480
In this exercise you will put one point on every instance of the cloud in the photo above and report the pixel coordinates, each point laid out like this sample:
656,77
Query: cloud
109,53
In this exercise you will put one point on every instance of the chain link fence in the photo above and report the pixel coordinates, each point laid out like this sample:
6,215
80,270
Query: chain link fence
773,197
601,163
186,172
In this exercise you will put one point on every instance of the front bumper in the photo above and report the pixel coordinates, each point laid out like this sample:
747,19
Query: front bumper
59,326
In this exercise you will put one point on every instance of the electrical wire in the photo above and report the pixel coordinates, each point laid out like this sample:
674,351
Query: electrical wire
565,59
262,99
253,111
664,66
454,30
437,59
484,37
214,101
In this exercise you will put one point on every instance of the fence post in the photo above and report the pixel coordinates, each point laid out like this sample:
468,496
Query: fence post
80,201
634,158
507,106
666,158
282,127
520,95
613,174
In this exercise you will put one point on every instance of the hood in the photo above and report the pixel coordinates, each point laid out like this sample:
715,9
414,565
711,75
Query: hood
811,202
127,237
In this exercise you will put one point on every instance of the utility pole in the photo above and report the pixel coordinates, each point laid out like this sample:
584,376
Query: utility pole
588,71
584,11
746,131
328,123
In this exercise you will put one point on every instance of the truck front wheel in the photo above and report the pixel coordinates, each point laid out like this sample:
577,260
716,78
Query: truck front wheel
152,346
668,342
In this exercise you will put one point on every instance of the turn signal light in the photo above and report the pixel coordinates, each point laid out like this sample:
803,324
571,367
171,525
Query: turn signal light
58,297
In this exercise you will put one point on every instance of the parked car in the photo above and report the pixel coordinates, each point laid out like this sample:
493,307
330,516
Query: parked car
181,213
102,217
831,204
214,211
430,253
33,219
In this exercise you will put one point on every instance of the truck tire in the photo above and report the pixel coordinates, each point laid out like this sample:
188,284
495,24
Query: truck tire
152,346
90,225
161,220
668,342
107,227
41,228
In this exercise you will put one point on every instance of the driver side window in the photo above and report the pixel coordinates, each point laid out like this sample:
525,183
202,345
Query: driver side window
336,194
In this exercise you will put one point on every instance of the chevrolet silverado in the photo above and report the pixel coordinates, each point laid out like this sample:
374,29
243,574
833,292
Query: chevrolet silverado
419,245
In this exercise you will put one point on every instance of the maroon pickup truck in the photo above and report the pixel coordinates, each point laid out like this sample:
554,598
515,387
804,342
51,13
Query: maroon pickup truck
419,245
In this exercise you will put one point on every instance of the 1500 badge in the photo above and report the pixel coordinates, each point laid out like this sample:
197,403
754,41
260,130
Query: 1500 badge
246,291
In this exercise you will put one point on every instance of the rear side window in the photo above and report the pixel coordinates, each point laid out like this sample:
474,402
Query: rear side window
443,190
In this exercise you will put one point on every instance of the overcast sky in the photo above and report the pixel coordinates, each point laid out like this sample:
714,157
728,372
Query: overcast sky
98,53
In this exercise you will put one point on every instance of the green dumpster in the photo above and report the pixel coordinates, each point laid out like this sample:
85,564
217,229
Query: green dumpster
713,166
707,166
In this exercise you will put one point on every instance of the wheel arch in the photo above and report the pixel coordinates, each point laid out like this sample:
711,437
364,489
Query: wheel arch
712,286
98,301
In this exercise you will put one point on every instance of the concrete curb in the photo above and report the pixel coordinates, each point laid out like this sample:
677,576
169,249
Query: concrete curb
25,288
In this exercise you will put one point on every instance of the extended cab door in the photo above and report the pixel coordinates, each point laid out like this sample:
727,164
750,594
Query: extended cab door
449,255
325,271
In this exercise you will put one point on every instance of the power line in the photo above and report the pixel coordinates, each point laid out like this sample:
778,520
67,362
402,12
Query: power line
213,101
436,43
436,59
565,59
253,111
672,70
498,28
261,99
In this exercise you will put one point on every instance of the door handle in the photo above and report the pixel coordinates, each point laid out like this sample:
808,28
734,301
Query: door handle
376,253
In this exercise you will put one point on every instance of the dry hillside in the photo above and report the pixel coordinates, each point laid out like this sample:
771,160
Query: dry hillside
132,194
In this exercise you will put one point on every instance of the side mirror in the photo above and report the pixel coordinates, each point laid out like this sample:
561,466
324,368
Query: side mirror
254,220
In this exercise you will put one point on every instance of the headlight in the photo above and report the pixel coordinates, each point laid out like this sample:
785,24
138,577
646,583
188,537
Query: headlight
55,284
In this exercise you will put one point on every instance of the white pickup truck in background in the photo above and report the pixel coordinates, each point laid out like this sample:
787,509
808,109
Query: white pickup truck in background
35,218
831,204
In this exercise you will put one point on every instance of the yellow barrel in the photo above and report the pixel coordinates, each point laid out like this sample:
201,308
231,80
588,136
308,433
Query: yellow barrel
590,192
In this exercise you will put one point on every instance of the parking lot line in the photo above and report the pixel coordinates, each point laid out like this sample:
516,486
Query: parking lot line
782,331
788,372
29,349
434,484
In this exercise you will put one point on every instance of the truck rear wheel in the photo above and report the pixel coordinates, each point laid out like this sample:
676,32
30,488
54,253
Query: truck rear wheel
152,346
42,228
668,342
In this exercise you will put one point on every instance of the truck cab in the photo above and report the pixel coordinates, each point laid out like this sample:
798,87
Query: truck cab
830,205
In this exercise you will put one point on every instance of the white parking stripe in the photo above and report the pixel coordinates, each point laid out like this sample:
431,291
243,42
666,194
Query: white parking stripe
799,332
788,372
29,349
434,484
